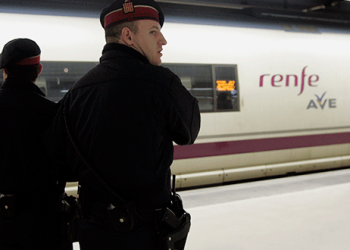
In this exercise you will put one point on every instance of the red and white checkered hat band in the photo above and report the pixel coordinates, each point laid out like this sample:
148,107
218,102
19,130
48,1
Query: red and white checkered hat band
29,61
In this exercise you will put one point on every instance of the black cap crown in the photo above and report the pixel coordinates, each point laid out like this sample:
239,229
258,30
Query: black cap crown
131,10
20,51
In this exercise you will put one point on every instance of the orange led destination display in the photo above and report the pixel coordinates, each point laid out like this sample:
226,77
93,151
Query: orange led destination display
223,85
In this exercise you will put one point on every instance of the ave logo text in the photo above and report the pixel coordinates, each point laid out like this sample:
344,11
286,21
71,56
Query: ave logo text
321,102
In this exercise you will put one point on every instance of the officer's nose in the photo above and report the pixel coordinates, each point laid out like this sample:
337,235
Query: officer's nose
163,41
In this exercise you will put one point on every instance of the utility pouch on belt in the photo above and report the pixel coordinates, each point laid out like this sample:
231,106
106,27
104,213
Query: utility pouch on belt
124,218
175,224
7,206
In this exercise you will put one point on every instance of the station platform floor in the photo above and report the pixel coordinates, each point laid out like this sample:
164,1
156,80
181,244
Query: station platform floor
310,212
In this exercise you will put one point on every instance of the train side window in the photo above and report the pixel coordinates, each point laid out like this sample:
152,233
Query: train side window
58,77
215,86
227,88
198,81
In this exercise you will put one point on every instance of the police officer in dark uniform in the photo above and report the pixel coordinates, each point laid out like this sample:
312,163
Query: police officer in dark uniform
29,191
116,128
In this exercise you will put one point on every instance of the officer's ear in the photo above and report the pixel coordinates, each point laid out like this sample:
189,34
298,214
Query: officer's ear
127,36
4,73
40,68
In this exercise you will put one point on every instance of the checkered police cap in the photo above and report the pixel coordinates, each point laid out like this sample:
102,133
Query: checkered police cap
122,11
21,52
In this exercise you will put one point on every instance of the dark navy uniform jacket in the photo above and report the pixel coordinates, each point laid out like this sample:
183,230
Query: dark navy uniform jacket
25,167
124,115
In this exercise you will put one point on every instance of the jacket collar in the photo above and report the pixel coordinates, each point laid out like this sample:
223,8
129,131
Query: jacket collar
109,48
19,84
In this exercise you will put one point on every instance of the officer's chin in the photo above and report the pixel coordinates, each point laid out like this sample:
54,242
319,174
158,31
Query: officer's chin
158,63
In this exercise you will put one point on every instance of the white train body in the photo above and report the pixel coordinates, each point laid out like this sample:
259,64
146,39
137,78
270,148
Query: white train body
294,85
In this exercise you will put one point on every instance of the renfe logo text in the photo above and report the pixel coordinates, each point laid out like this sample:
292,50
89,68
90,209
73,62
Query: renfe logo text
279,80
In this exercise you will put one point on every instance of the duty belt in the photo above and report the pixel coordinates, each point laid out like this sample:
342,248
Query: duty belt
105,210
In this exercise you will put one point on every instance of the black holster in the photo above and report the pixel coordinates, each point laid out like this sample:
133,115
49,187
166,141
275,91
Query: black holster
83,201
174,226
175,231
68,210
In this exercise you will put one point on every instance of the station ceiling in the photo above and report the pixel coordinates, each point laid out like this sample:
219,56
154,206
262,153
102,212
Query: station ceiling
326,11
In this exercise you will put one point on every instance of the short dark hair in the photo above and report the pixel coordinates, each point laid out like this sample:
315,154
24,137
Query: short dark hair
29,73
116,30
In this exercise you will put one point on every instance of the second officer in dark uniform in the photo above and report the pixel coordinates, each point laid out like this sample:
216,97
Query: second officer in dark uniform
120,121
30,217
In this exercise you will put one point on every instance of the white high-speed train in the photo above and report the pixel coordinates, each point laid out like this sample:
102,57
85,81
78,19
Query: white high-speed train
274,97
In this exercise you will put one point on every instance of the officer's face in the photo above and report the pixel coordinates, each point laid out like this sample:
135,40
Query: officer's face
149,40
